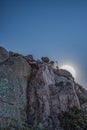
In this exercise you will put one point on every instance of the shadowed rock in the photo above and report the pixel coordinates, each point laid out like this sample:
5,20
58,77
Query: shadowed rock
4,55
47,97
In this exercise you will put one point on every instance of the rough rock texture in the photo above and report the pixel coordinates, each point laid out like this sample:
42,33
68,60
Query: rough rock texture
3,54
81,93
49,93
14,75
34,92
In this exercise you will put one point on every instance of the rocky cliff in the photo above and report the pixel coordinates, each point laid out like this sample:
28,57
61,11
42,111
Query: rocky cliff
33,93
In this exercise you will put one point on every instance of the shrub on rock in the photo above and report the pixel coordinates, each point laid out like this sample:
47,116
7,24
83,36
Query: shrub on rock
45,59
74,119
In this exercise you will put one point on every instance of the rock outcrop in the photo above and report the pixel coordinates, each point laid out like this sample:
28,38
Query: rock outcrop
50,93
14,75
33,91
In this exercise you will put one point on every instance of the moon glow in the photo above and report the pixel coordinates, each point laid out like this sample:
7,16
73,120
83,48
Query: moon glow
70,69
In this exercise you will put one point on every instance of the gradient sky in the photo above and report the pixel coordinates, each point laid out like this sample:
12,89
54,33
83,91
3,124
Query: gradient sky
53,28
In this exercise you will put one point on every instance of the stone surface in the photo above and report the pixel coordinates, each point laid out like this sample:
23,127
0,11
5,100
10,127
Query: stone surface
66,74
48,95
14,75
3,54
81,93
30,58
33,91
11,54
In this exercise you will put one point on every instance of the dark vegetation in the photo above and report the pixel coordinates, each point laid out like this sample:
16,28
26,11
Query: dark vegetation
82,98
73,119
45,59
82,95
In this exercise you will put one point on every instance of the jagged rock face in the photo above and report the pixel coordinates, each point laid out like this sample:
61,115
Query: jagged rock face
14,75
35,92
48,95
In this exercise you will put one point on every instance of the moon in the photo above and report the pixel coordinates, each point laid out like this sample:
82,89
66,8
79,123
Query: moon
70,69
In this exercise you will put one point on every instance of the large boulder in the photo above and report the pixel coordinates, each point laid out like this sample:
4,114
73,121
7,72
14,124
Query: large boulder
14,75
4,54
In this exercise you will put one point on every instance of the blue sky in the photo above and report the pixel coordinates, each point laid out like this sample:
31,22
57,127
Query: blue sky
53,28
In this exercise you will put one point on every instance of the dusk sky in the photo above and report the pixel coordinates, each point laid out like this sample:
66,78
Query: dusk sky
53,28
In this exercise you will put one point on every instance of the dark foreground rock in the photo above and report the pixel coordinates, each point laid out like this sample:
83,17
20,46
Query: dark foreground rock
33,93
